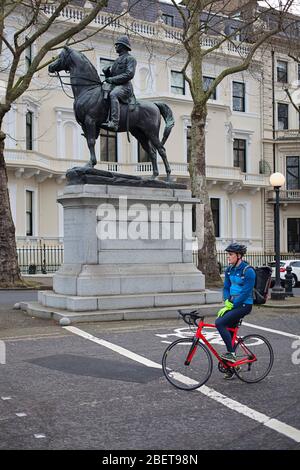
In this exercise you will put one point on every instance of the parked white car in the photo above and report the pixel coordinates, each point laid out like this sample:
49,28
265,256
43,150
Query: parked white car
295,265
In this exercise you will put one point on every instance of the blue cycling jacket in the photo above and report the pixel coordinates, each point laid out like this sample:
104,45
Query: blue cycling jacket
238,284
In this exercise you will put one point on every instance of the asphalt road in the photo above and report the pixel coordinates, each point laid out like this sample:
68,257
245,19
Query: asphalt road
59,390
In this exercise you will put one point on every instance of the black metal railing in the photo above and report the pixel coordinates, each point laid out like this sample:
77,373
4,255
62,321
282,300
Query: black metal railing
40,258
43,259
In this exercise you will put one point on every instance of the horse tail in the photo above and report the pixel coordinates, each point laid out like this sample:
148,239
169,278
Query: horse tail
167,114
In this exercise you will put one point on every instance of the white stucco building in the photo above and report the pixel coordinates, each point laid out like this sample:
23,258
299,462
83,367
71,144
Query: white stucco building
44,140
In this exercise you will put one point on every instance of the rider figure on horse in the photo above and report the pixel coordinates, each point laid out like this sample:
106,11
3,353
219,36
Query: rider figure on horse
119,75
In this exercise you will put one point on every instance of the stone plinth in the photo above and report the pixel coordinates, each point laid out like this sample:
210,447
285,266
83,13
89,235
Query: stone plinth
126,248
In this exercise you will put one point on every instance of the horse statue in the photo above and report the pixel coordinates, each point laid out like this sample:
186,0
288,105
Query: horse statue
91,108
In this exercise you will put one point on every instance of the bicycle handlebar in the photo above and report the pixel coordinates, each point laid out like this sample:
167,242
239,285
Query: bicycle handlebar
191,318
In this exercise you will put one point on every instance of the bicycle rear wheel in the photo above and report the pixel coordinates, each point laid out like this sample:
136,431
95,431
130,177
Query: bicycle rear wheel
256,348
183,374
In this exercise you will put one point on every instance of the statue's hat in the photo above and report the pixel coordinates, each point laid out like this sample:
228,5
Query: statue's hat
125,41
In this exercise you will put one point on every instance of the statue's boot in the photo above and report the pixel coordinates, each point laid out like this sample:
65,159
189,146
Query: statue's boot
113,123
110,125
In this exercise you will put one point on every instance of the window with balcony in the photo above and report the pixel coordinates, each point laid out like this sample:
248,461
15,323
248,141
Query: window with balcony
108,146
283,116
29,130
104,63
168,19
238,96
239,154
29,213
215,209
292,173
207,81
177,83
282,71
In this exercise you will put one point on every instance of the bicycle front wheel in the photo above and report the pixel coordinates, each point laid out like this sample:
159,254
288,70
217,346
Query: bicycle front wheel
187,364
258,351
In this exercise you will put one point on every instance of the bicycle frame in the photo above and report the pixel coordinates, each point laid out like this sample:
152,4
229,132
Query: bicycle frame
199,336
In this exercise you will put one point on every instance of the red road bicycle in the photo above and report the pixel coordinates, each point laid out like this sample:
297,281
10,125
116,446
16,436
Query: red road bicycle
187,362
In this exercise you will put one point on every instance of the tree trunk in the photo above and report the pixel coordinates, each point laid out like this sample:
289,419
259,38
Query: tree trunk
9,268
207,255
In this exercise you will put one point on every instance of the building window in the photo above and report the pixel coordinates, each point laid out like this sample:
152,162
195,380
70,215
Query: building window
239,153
29,213
235,33
177,83
292,173
293,235
28,55
215,209
238,96
108,146
282,71
29,130
283,116
104,63
207,81
143,156
168,19
188,144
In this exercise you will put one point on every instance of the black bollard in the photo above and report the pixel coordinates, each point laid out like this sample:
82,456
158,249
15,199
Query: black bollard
288,282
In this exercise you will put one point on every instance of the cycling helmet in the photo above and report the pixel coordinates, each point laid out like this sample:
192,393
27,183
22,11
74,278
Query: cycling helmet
237,248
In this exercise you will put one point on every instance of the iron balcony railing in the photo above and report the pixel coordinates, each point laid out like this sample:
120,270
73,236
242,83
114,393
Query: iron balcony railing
288,195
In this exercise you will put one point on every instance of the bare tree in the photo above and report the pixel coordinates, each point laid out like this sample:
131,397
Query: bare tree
33,21
244,22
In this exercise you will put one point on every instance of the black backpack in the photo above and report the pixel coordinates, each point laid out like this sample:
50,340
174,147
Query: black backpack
262,283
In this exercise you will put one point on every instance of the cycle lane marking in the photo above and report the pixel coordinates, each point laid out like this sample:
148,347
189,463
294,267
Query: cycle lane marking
272,423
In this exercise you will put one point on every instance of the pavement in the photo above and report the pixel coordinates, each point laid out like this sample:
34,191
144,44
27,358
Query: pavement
288,302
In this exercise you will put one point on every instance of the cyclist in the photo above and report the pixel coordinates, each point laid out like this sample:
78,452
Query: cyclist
237,294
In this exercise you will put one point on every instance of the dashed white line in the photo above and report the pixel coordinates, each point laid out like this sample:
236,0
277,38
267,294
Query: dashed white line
6,398
276,425
21,415
39,436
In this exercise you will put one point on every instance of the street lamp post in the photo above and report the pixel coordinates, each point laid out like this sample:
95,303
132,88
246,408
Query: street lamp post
277,180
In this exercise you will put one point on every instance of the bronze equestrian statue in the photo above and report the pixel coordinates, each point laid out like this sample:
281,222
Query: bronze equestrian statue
91,106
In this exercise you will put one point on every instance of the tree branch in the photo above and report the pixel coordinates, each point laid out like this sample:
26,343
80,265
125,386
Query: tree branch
22,84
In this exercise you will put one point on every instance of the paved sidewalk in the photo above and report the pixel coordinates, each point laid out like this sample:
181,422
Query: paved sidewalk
288,302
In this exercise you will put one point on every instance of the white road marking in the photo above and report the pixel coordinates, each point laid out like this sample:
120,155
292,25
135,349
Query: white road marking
21,415
290,335
114,347
39,436
5,398
276,425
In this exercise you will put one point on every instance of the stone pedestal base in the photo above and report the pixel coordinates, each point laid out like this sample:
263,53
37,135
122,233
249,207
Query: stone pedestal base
126,248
